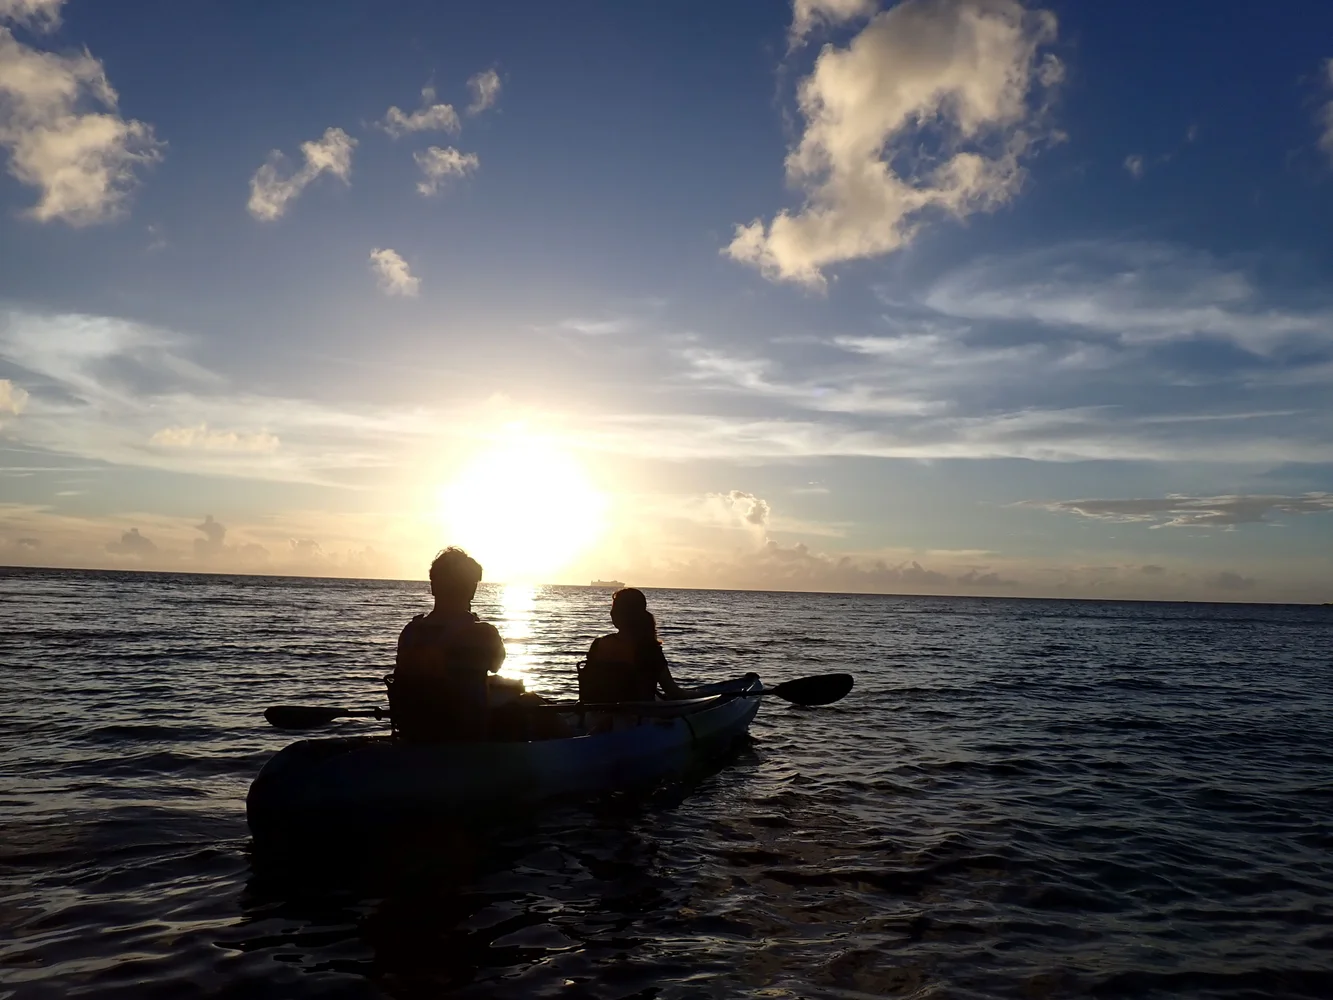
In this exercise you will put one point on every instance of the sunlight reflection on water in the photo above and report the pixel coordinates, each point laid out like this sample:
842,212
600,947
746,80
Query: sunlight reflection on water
518,602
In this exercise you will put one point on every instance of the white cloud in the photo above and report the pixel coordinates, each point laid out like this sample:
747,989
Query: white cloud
851,391
1134,293
134,544
213,549
40,15
392,273
430,117
12,397
440,164
1326,113
806,15
270,193
1177,511
485,88
967,68
205,438
109,386
82,161
752,510
596,327
1135,165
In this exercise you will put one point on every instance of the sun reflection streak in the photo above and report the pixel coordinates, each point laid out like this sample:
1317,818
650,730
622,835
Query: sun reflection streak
517,608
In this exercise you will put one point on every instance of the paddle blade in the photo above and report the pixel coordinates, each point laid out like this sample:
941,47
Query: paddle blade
301,716
822,690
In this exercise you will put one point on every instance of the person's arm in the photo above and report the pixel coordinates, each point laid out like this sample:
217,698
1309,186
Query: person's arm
665,681
495,648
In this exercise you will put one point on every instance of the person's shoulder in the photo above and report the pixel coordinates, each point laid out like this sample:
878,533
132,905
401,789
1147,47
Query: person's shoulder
484,628
414,624
611,642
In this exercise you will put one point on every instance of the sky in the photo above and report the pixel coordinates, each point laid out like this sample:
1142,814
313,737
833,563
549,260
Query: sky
941,296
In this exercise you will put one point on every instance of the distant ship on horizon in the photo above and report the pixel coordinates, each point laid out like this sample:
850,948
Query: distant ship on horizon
613,584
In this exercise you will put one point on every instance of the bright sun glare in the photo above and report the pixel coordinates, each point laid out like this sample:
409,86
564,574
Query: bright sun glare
524,508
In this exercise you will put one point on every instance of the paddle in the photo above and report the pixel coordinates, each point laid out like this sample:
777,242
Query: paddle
308,716
823,689
811,691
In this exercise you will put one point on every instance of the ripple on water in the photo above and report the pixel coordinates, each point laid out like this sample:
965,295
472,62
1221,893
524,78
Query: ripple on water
1019,799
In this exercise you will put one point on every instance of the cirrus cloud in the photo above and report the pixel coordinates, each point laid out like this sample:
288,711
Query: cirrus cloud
1178,511
1325,116
205,438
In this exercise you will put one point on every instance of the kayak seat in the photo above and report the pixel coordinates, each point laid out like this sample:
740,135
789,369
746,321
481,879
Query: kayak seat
436,709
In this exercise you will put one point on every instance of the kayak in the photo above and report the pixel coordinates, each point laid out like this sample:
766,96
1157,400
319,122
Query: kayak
613,748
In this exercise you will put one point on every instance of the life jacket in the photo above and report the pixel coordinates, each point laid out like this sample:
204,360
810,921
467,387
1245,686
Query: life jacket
617,670
438,692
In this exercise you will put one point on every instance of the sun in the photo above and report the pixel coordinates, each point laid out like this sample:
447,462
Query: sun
523,507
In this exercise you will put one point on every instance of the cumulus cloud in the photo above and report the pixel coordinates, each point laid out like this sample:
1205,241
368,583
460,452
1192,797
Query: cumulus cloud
12,397
441,164
39,15
213,548
131,543
59,123
485,89
1135,165
1178,511
214,537
966,69
751,509
430,117
1325,117
392,273
806,15
305,548
205,438
270,192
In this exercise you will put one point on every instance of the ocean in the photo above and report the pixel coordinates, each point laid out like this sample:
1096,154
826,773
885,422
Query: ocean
1020,798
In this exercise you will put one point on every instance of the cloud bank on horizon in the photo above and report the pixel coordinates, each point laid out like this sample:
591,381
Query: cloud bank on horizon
998,315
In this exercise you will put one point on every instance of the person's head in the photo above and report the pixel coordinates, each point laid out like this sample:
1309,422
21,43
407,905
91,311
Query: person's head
454,576
630,614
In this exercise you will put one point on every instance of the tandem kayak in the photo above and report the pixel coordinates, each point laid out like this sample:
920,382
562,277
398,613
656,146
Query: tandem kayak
374,777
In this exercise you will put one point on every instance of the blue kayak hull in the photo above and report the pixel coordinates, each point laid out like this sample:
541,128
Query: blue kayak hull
371,777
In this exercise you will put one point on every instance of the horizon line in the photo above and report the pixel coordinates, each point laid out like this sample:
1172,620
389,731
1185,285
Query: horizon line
733,590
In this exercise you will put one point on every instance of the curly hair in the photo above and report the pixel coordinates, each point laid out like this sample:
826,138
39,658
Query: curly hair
454,573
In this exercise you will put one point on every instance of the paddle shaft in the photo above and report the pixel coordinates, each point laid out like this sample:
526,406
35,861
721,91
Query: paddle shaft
810,691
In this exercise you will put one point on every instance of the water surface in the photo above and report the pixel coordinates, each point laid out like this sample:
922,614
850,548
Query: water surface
1019,799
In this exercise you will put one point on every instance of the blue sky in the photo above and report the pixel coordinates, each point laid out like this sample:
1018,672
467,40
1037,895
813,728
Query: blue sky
950,297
